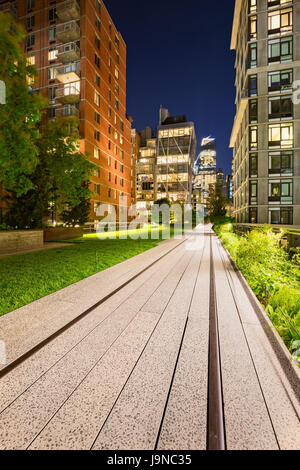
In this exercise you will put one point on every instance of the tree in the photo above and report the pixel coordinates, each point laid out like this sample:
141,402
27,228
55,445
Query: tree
59,182
20,114
217,201
77,215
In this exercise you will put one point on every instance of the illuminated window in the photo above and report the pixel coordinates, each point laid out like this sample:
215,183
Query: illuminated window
280,21
253,27
253,137
97,98
117,73
31,60
96,153
52,53
252,6
281,135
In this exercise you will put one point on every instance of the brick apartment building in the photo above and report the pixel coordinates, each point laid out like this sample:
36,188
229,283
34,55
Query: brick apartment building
81,59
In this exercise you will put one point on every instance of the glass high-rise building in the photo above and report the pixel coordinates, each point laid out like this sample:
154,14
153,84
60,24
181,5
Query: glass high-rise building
176,152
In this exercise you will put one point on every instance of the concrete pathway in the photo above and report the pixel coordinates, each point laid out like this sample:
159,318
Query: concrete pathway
132,373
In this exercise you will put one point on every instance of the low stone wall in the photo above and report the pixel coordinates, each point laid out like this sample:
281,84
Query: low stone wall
64,233
19,240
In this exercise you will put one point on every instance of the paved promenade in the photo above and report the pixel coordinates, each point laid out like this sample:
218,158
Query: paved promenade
132,372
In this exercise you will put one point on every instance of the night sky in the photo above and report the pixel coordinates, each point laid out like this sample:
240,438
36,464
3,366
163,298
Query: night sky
178,55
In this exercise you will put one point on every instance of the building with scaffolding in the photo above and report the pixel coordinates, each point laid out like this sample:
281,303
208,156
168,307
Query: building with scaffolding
176,152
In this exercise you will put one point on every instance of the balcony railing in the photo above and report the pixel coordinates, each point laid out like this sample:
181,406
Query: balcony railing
69,10
69,94
68,32
9,7
68,73
67,111
67,53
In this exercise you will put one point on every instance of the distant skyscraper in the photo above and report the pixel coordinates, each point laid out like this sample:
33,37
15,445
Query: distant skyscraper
205,171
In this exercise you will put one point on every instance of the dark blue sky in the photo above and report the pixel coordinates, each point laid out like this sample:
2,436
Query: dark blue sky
179,56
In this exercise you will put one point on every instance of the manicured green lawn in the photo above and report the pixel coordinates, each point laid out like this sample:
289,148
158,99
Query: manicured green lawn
27,277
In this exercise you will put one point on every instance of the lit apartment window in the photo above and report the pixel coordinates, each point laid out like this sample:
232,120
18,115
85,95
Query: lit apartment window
52,53
121,140
52,14
252,85
97,117
96,188
117,42
117,73
97,79
30,22
30,40
281,163
253,165
280,107
280,21
29,5
253,137
252,56
253,215
281,50
253,27
117,104
281,192
281,216
96,153
97,173
281,135
252,6
52,72
97,98
253,111
31,60
97,60
96,207
280,81
51,34
96,135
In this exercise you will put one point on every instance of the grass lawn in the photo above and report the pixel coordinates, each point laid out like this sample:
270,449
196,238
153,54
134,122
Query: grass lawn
28,277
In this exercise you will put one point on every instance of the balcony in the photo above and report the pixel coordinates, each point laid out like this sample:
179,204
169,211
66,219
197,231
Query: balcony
69,10
67,111
9,7
69,94
67,53
68,73
68,32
